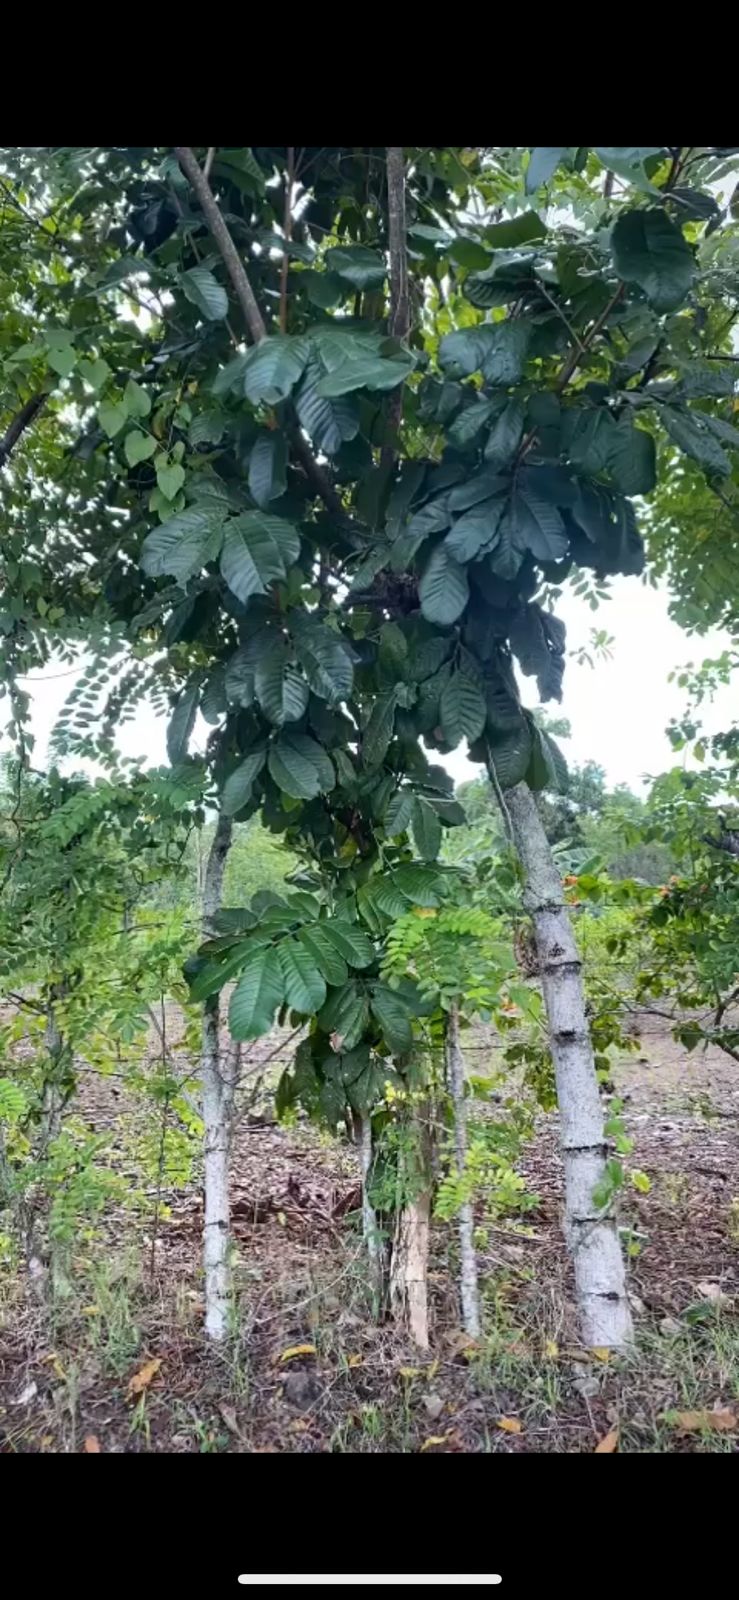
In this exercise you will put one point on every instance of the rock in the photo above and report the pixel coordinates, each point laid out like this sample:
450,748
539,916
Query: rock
301,1389
27,1395
669,1327
636,1304
587,1387
434,1405
714,1292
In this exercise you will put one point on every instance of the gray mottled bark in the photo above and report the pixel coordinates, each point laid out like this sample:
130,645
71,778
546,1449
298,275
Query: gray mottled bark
369,1220
468,1286
218,1072
603,1305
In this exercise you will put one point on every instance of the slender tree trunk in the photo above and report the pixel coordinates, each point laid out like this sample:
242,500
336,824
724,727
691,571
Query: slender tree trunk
218,1073
468,1285
603,1305
409,1266
363,1125
52,1098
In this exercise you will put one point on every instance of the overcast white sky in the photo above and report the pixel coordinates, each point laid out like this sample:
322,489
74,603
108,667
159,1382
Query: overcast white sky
618,711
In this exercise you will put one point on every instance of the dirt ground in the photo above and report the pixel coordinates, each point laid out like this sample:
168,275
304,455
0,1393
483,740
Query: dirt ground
120,1364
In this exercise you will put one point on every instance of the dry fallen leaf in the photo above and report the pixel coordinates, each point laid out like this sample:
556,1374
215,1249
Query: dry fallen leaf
298,1350
92,1445
143,1377
551,1349
509,1424
607,1444
601,1352
354,1361
436,1438
434,1405
298,1425
694,1421
409,1372
230,1419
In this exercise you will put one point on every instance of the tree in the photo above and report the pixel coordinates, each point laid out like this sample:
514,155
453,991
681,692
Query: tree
454,449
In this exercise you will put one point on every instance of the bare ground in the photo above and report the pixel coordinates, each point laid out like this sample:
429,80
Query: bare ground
134,1299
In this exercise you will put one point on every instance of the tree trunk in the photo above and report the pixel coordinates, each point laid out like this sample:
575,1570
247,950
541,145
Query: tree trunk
52,1098
468,1286
409,1266
363,1125
218,1074
605,1317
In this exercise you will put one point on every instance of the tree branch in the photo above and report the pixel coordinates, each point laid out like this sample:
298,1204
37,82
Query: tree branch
20,422
252,315
288,217
399,321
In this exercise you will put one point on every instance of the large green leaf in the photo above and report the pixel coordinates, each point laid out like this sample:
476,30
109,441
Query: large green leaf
510,548
586,437
470,422
182,721
516,231
205,292
475,530
505,435
280,688
443,589
483,485
465,348
323,657
260,990
273,367
379,730
327,422
507,348
399,812
257,550
238,786
357,265
305,988
539,526
426,829
393,1017
239,682
462,709
300,767
510,754
538,640
649,249
345,1016
349,941
696,439
267,467
631,458
543,164
433,517
420,885
366,372
185,544
323,953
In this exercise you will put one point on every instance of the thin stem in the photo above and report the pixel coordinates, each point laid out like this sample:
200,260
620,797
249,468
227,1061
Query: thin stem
287,225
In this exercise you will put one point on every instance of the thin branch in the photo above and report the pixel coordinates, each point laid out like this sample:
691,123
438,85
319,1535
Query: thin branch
252,315
210,158
20,422
287,226
399,321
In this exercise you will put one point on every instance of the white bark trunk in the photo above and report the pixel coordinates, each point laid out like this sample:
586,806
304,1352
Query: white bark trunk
52,1100
409,1265
218,1074
369,1220
603,1305
468,1286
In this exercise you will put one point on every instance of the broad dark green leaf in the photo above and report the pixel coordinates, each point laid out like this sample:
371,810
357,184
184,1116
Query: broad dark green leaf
267,467
345,1016
462,709
470,422
539,526
393,1017
379,730
510,547
516,231
697,441
185,544
649,249
631,458
240,677
510,754
538,640
372,563
505,435
182,721
399,812
258,993
420,885
507,348
279,687
138,446
272,368
357,265
483,485
426,829
443,590
305,988
203,290
323,657
324,953
475,531
350,941
586,436
328,422
257,551
238,786
366,372
300,767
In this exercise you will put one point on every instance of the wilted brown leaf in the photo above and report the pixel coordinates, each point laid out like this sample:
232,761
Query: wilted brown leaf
607,1444
509,1424
230,1418
92,1445
436,1438
601,1352
298,1350
143,1377
721,1420
354,1361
